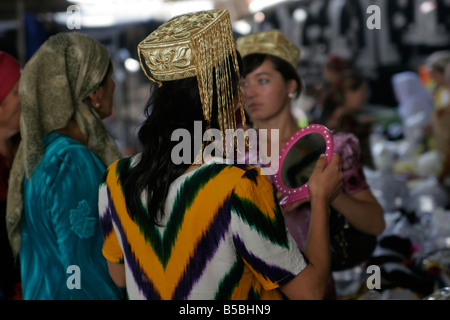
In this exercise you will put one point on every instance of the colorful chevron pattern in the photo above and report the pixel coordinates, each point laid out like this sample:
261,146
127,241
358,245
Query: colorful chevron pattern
223,237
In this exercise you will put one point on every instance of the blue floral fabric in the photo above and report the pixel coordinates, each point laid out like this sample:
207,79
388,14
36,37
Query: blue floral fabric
81,222
60,226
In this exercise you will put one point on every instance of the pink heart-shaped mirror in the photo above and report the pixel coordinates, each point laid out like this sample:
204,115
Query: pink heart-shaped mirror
298,159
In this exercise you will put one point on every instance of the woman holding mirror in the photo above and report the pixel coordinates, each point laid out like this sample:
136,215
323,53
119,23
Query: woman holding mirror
270,82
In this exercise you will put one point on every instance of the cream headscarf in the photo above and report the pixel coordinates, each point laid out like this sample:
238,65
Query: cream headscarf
65,70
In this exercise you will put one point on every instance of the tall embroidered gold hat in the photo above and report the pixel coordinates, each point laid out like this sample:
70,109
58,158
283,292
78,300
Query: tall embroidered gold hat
197,44
271,42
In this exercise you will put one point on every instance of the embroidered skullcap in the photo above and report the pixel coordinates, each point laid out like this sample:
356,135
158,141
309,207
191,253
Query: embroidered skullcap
271,42
198,44
9,73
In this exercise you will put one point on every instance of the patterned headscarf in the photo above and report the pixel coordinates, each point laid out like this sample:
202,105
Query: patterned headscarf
53,88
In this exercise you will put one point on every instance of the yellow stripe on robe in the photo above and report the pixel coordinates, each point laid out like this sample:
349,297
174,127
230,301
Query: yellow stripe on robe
204,203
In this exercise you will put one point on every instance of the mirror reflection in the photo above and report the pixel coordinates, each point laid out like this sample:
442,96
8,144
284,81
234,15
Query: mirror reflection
300,160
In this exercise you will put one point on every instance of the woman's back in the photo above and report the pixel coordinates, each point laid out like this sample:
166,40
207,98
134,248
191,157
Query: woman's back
219,238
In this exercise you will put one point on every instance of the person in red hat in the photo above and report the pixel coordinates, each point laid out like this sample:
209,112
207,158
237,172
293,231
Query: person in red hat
9,141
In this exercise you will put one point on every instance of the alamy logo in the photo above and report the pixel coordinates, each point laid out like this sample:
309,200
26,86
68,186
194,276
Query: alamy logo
74,17
374,21
256,154
74,280
374,280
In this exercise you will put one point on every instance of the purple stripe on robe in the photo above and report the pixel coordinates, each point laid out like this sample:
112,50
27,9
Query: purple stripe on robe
272,272
205,251
144,284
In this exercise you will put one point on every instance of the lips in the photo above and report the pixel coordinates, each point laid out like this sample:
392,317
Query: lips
254,106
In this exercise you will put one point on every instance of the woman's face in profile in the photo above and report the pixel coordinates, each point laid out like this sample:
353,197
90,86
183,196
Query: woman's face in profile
107,98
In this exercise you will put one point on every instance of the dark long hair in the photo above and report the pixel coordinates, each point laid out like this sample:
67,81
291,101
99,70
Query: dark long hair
174,105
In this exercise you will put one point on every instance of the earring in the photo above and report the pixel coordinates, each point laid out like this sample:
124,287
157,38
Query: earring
97,106
291,95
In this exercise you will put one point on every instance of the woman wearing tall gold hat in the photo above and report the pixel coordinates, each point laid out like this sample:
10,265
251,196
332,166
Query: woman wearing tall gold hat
270,83
202,228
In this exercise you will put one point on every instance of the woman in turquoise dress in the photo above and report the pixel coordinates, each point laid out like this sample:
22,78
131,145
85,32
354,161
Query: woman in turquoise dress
52,210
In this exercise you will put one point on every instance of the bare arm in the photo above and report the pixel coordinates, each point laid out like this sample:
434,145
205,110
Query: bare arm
117,272
362,210
311,283
324,185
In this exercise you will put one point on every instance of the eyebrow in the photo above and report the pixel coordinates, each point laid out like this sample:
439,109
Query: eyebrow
263,73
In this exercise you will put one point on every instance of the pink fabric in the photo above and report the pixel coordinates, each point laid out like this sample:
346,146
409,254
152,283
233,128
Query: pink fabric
346,145
9,73
354,180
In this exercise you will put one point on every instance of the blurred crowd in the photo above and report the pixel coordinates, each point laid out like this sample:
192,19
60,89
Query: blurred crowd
406,154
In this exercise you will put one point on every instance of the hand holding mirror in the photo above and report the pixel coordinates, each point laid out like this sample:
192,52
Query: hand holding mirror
298,159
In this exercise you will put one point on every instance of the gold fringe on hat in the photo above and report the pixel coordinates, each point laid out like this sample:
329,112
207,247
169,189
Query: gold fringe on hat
197,44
